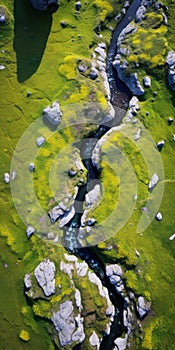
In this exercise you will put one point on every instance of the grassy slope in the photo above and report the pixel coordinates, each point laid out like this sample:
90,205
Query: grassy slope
45,66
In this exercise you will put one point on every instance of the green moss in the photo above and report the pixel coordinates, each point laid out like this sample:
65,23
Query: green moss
24,335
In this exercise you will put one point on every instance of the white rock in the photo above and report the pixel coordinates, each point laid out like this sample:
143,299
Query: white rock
147,82
70,258
78,298
30,230
64,322
45,276
82,268
31,167
172,237
93,196
40,141
113,269
154,180
94,340
159,216
6,178
27,280
53,113
120,343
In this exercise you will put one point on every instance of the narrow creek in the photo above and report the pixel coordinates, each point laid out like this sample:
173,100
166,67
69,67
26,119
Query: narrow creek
120,97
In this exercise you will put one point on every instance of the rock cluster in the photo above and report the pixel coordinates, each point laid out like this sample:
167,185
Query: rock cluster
45,276
114,272
65,324
52,114
143,307
170,60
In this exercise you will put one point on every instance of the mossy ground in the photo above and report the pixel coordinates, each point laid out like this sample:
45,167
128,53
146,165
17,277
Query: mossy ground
45,72
40,57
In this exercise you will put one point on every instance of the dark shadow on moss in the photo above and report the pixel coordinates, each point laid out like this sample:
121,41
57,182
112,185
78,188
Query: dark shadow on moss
31,31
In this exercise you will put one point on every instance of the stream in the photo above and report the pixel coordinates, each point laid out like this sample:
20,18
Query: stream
120,97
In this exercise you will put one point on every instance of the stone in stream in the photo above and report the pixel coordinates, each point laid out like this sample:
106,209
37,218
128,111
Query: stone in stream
120,343
40,141
45,276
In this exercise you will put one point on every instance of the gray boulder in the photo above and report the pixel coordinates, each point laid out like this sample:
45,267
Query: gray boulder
6,178
140,14
147,82
30,231
68,215
120,343
27,281
93,196
94,340
143,307
114,272
43,5
170,60
45,276
55,213
53,114
64,322
154,180
40,140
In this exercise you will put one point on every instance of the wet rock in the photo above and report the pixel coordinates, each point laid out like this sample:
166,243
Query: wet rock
140,14
30,231
43,5
147,82
45,276
64,322
40,141
6,178
93,74
120,343
53,114
154,180
94,340
143,307
159,216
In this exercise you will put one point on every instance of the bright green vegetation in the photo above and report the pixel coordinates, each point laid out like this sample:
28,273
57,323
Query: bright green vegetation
46,65
152,273
41,57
